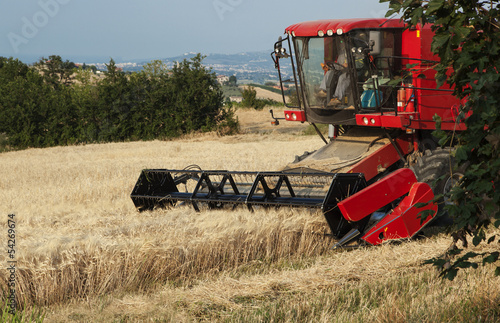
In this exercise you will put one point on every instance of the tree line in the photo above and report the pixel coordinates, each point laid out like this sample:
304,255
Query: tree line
55,103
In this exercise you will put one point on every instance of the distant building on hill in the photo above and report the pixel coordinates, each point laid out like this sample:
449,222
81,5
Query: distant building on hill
222,79
236,99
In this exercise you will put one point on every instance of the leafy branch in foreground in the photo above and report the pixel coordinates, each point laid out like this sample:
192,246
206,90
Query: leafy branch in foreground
467,40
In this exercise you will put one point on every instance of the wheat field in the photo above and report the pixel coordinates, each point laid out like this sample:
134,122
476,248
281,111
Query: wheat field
85,254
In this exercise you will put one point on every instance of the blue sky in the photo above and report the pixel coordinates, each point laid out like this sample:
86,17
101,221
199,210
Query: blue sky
131,29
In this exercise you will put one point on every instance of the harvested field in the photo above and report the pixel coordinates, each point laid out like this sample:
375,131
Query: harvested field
266,94
85,254
254,121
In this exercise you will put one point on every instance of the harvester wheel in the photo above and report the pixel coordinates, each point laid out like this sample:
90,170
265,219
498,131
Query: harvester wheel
437,168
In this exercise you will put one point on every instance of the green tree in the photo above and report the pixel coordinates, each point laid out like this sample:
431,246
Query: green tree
250,100
197,99
114,105
22,118
34,112
232,81
150,90
467,38
293,98
85,102
249,95
56,71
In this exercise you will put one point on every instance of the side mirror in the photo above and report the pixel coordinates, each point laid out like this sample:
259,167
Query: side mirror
279,51
278,46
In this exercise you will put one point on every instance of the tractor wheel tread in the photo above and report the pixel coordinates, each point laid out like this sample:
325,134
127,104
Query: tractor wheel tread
431,163
431,166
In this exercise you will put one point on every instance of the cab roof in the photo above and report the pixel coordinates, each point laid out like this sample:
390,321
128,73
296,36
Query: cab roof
311,28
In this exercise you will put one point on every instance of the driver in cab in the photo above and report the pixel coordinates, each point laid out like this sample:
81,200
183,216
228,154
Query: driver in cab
332,69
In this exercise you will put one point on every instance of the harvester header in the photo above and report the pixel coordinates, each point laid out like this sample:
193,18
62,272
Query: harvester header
336,195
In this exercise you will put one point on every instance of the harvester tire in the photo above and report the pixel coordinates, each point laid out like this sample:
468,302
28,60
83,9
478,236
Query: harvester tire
437,168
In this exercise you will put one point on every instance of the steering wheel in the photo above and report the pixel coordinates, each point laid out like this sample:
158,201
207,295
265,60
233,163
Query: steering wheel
336,66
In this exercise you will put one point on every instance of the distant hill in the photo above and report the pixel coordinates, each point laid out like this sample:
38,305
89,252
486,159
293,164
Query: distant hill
254,59
248,67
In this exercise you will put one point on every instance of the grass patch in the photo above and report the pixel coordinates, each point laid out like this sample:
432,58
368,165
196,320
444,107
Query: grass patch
258,267
33,314
310,131
406,298
231,91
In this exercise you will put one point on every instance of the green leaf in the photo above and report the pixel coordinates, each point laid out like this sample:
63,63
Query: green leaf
439,41
425,214
451,274
390,13
491,258
416,14
462,32
407,3
461,154
490,206
455,252
434,6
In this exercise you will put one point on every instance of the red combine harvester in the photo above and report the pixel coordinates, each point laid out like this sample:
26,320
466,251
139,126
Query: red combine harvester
373,82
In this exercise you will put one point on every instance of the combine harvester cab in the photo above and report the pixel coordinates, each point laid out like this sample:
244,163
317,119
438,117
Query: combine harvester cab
372,81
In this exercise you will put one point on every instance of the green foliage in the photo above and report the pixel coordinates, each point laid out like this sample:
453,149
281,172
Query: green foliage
53,103
294,98
232,81
36,314
229,124
55,71
4,143
230,91
250,100
417,297
311,131
196,97
467,40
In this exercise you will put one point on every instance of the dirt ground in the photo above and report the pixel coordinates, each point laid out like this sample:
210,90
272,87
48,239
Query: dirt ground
254,121
265,94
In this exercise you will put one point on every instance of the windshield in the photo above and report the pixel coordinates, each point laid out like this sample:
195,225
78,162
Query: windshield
326,79
323,65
